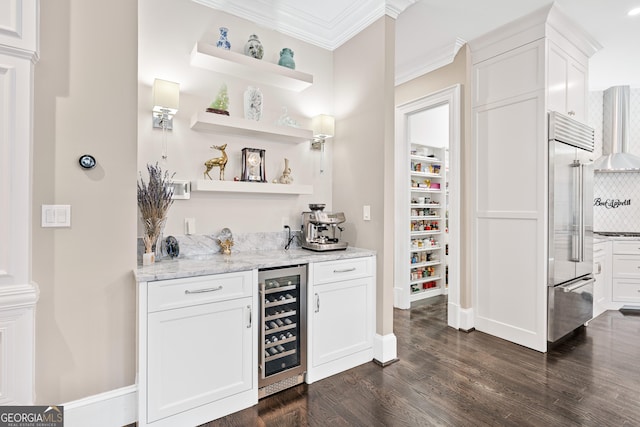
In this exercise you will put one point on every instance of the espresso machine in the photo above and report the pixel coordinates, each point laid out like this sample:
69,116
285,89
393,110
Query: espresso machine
319,229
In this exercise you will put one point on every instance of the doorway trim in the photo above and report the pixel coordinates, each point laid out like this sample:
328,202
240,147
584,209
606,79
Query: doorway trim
452,97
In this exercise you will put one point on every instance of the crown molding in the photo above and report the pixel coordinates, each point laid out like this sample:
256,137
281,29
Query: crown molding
328,31
430,61
396,7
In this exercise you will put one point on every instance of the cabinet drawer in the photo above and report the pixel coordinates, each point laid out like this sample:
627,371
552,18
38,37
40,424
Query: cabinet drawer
176,293
626,266
626,290
626,248
335,271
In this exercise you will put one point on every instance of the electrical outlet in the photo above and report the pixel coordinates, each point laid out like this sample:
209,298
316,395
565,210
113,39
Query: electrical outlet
189,226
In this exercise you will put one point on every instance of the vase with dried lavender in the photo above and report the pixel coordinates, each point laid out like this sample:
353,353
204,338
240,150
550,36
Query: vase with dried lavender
155,197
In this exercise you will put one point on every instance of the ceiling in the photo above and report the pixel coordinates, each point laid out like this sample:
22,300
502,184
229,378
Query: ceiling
429,32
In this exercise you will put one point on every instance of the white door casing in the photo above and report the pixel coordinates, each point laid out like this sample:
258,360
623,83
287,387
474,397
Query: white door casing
449,96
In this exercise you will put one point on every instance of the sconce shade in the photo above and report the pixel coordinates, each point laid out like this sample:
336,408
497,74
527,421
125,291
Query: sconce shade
323,126
166,96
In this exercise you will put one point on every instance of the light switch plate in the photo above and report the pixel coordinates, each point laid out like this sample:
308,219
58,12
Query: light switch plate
366,213
56,215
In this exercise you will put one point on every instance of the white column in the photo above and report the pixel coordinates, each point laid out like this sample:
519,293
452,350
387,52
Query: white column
18,295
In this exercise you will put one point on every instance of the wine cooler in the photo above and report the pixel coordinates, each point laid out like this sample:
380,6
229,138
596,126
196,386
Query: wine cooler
283,342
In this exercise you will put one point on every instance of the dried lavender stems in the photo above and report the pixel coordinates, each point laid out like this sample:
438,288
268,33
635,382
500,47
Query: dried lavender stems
154,200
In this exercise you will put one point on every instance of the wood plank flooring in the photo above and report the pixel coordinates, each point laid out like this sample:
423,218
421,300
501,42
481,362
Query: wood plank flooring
450,378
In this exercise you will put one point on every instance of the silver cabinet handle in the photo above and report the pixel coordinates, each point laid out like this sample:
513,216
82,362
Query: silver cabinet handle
202,291
250,320
599,268
346,270
317,303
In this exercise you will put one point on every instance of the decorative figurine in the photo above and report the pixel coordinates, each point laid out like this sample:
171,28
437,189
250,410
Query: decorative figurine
253,47
221,104
286,177
173,248
225,240
286,58
217,161
223,43
285,120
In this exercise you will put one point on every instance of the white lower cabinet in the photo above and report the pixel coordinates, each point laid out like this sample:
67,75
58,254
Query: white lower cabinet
341,316
198,349
626,272
602,274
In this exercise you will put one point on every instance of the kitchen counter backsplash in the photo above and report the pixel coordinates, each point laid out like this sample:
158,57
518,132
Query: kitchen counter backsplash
616,202
197,245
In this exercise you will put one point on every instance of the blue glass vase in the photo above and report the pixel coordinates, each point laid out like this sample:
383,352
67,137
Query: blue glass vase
223,43
286,58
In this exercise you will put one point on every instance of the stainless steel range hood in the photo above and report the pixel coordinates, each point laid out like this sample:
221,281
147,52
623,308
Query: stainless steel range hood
615,133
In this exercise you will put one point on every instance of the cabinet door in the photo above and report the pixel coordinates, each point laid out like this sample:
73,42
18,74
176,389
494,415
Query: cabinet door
600,273
342,319
577,91
557,80
197,355
567,84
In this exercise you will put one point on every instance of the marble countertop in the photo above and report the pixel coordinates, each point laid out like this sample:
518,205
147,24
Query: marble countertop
240,261
600,238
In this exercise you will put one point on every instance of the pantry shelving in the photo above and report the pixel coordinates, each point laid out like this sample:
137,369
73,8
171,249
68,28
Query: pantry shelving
427,213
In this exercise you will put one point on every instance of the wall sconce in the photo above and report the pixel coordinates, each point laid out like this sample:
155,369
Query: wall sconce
323,128
165,103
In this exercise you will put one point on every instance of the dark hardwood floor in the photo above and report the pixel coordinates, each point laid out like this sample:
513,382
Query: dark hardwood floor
450,378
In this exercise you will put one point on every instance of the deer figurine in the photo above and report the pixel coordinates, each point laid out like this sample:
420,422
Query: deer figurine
217,161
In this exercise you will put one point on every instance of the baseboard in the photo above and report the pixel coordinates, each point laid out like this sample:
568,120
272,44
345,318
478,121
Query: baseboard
385,348
115,408
467,323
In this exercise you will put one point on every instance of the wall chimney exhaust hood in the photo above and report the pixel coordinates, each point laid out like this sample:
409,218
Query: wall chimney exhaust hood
615,133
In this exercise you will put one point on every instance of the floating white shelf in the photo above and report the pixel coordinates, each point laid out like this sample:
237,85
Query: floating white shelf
218,123
235,64
249,187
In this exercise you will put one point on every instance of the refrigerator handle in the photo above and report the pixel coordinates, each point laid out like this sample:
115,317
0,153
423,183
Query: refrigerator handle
576,228
581,229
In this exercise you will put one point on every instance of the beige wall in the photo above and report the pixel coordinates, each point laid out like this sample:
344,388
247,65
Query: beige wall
455,73
85,102
363,150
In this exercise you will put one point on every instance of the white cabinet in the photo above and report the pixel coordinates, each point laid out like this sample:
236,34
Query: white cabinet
602,274
197,348
626,272
567,82
428,229
515,71
341,316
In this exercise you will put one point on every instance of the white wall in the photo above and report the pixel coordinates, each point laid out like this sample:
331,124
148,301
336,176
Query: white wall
168,30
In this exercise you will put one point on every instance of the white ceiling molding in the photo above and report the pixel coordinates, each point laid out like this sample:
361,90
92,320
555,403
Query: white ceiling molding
431,61
396,7
327,24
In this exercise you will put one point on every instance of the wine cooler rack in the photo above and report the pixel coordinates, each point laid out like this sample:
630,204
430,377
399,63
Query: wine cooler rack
282,328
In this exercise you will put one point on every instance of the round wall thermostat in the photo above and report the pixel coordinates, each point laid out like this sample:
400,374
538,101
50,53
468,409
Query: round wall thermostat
87,161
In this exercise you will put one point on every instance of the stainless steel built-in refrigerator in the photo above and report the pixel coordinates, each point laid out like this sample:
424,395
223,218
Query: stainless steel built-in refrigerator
570,279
